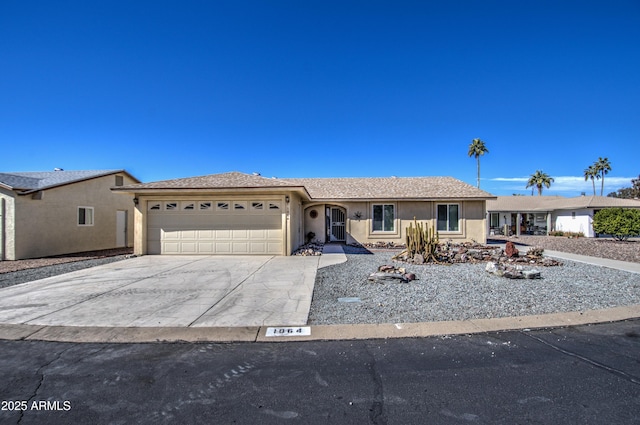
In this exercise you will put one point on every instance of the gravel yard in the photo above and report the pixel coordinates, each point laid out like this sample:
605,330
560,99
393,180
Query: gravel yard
466,291
342,294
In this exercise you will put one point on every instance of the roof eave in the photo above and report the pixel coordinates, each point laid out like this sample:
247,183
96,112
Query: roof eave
412,199
182,191
97,176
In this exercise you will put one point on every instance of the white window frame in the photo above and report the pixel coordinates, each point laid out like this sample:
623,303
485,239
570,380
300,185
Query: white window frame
383,230
91,216
448,225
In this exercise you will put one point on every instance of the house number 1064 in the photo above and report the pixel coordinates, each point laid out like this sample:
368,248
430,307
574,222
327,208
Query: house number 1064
299,331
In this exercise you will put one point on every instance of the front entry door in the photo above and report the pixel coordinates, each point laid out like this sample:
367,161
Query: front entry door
336,225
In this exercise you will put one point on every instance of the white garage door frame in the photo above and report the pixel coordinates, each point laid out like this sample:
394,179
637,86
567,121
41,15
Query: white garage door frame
216,226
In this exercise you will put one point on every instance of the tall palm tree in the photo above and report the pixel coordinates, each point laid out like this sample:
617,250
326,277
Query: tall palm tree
602,166
477,149
593,174
539,179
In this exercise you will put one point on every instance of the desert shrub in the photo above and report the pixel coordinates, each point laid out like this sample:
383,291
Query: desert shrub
621,223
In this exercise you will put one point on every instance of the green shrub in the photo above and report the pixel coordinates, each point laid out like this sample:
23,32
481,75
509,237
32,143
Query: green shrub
617,222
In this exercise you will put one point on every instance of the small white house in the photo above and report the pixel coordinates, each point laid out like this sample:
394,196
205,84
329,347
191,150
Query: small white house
539,215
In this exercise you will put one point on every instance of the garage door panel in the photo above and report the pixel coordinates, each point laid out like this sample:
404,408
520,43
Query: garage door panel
240,247
189,248
274,247
257,247
206,248
240,234
214,232
223,248
171,248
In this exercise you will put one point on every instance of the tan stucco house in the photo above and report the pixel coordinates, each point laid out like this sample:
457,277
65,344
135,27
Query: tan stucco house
539,215
61,212
237,213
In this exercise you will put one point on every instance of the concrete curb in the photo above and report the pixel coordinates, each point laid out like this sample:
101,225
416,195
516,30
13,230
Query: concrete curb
318,333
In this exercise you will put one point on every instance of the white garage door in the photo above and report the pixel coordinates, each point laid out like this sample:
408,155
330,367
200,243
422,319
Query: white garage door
215,227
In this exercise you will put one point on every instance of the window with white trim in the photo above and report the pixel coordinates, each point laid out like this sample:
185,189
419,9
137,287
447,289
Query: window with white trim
384,218
448,218
85,216
205,205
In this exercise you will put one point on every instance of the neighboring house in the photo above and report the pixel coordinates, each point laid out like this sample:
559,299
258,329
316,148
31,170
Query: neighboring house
236,213
61,212
539,215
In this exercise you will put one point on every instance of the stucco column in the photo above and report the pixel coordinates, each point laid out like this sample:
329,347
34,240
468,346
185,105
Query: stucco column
140,228
548,222
518,223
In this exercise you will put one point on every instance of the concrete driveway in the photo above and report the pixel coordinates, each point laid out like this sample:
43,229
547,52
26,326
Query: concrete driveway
170,291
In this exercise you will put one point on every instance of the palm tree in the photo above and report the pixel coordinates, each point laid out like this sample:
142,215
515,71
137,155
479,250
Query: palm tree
477,149
593,174
602,166
539,179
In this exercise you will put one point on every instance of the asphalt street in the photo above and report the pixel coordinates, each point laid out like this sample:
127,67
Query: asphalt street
579,375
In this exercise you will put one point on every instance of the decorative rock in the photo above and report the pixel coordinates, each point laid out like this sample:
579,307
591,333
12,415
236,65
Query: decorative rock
531,274
510,250
409,276
491,267
391,274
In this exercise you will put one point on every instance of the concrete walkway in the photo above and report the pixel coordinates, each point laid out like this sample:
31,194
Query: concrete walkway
124,302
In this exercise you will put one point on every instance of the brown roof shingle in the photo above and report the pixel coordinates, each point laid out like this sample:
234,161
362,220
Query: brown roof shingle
229,180
328,188
390,188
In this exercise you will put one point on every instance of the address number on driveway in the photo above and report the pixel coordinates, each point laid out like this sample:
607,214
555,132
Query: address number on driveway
299,331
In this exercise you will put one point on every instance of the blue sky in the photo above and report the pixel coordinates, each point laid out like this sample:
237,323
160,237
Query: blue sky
168,89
